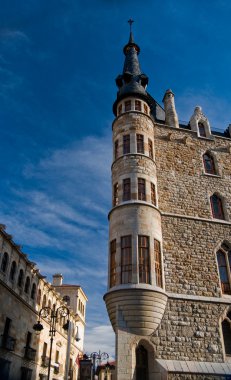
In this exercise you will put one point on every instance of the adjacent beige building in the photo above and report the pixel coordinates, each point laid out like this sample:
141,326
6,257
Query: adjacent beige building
23,293
169,276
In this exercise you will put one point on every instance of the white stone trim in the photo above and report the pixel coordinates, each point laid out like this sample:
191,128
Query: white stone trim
195,218
226,299
186,366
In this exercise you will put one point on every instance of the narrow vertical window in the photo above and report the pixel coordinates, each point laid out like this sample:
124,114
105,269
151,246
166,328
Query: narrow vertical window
39,297
127,105
201,129
44,301
113,263
209,164
27,285
145,109
226,331
140,143
116,149
150,148
13,271
144,260
158,266
126,189
141,189
126,259
217,207
5,260
115,195
120,109
20,278
126,144
33,291
153,194
137,105
223,272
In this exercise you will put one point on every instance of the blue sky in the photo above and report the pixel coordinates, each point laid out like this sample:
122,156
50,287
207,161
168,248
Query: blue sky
58,63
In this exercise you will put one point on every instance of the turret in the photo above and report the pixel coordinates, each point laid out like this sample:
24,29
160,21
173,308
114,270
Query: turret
171,118
135,276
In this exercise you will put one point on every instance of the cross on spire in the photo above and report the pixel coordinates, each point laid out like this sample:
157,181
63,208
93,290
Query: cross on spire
130,21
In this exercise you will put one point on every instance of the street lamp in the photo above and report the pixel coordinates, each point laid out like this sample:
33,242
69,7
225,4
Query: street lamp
97,356
52,316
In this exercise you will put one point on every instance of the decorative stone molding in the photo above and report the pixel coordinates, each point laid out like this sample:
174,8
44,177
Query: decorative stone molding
199,117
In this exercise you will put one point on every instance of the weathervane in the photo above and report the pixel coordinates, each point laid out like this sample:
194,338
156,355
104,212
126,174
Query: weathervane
130,21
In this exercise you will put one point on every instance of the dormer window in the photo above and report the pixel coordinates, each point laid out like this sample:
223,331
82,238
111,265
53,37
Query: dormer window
127,105
202,131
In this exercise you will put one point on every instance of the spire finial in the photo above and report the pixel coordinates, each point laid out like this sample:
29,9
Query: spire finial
130,21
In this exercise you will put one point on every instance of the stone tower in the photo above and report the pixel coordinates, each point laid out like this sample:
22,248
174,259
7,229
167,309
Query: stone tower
170,238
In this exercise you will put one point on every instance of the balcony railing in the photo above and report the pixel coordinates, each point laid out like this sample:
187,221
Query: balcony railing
8,342
30,353
56,369
45,361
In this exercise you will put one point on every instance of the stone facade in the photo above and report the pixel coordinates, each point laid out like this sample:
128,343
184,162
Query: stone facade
170,324
23,293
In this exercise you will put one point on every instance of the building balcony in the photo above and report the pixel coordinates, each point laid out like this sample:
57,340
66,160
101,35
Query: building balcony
56,368
45,361
8,342
30,353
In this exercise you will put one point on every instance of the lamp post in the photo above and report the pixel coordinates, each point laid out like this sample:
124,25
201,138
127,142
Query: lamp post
52,316
97,356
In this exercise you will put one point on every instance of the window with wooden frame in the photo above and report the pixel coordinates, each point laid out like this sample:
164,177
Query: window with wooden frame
141,189
126,144
158,263
120,109
116,194
140,143
126,259
145,109
126,189
116,152
226,332
144,259
153,194
137,105
127,105
217,207
113,263
201,129
224,266
150,148
209,164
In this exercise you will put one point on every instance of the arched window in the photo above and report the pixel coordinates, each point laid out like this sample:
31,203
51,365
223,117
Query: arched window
13,271
209,164
39,297
5,260
226,331
20,278
202,131
44,301
49,304
27,285
217,207
67,300
33,291
141,363
224,265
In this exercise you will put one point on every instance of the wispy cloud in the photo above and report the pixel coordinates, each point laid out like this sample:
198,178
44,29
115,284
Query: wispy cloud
101,336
